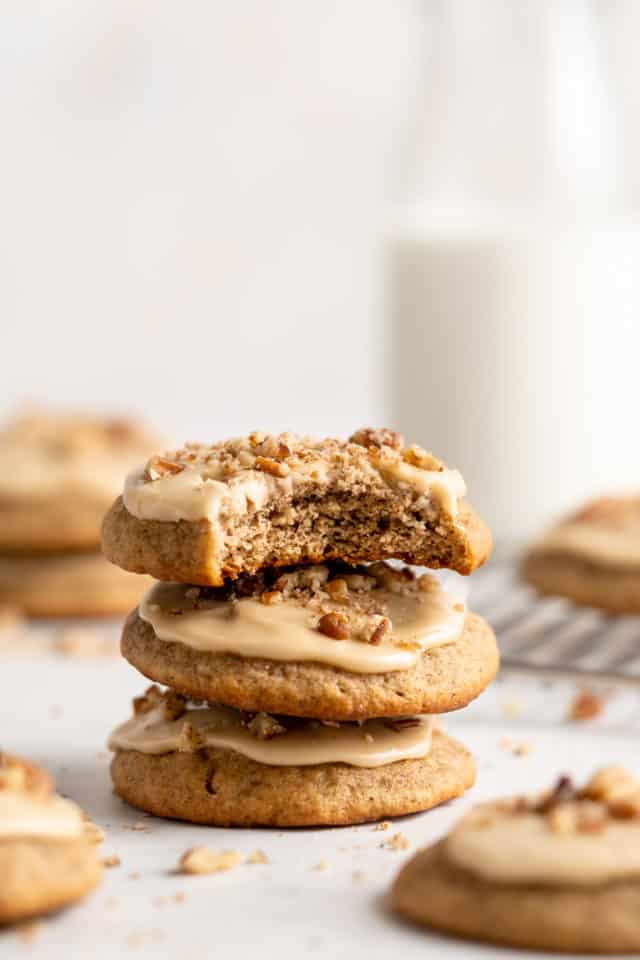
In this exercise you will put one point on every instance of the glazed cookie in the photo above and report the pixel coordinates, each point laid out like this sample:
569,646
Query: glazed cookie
327,641
215,765
67,585
203,513
559,872
58,475
592,557
47,860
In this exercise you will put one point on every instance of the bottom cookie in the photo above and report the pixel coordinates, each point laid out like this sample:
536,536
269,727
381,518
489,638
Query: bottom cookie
224,788
68,585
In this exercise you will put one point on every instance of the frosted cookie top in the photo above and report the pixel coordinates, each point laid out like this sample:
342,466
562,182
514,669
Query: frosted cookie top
168,722
566,836
202,481
371,619
43,454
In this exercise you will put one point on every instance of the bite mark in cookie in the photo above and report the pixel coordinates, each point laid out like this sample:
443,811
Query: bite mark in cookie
204,513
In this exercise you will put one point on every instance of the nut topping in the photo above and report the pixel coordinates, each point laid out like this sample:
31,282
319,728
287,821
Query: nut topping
381,437
334,625
275,467
380,631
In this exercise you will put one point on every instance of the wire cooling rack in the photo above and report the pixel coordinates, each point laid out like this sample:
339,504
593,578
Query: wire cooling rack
553,636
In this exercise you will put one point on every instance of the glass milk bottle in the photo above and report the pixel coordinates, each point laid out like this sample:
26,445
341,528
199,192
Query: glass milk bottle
514,266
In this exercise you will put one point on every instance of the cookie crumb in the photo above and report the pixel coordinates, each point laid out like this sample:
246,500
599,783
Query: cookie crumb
202,860
397,842
92,831
258,856
111,861
322,865
383,825
522,749
512,709
586,705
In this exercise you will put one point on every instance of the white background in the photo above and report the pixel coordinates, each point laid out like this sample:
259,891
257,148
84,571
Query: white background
192,208
191,196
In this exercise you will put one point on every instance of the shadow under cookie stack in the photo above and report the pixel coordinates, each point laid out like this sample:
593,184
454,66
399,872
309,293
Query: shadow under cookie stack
301,669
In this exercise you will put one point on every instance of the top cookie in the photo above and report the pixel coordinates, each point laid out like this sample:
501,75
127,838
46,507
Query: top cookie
58,475
207,512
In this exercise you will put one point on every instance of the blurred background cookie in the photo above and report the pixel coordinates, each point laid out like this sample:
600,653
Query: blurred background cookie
591,557
58,475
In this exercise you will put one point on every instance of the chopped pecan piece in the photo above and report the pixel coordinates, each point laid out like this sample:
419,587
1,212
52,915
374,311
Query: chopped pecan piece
275,467
380,437
152,697
334,625
265,727
380,631
160,467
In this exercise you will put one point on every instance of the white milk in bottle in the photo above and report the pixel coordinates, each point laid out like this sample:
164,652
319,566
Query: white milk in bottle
514,294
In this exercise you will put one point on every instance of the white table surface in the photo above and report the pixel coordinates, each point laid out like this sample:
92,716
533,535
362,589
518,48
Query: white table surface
58,711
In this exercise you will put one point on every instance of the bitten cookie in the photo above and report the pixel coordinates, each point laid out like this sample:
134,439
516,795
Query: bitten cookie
47,861
204,513
214,765
327,641
559,872
58,475
592,557
68,585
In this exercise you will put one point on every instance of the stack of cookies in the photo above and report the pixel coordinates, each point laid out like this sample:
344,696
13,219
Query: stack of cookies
58,475
301,669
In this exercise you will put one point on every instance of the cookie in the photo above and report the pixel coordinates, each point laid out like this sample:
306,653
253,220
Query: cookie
331,642
559,872
258,770
59,474
47,860
204,513
592,557
67,585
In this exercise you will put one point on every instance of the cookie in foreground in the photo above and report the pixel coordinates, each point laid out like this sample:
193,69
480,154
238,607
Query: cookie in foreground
215,765
327,641
557,872
591,557
207,512
47,857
